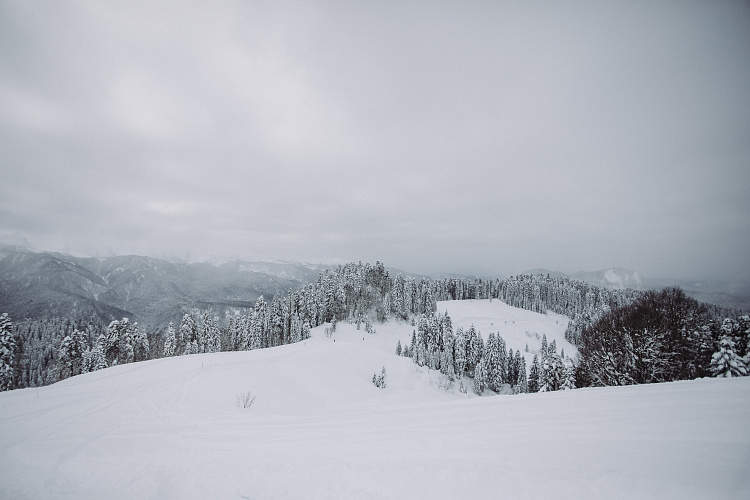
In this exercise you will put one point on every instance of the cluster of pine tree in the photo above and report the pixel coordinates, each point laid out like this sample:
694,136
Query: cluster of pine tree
662,336
464,354
48,350
262,327
551,371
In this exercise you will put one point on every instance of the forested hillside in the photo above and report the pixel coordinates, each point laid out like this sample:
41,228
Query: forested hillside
624,336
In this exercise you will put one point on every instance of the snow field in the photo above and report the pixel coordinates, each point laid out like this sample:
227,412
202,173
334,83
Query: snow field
518,327
170,428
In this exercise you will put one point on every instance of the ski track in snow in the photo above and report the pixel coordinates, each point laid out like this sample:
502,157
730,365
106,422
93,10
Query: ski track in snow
170,428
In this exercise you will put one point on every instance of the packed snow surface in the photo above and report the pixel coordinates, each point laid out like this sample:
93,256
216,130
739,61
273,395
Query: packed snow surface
319,428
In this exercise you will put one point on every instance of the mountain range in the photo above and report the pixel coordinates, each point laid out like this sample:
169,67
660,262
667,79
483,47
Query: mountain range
155,291
145,289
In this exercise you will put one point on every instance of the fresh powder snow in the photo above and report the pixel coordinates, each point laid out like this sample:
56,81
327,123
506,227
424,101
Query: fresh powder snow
319,428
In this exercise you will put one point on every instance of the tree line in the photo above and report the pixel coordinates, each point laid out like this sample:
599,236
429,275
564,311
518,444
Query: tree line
623,336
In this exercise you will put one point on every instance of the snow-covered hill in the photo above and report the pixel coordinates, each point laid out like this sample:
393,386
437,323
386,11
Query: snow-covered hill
518,327
319,428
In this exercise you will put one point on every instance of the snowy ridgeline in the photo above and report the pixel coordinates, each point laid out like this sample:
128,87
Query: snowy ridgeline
305,421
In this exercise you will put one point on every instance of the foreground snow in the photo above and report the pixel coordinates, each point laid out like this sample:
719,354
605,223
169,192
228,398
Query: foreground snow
319,429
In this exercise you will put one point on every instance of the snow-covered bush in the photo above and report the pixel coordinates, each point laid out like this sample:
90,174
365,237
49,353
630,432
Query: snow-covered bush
245,399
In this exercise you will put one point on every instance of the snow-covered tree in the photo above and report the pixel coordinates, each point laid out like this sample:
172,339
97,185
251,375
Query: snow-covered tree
569,380
70,354
398,348
553,371
459,353
260,333
305,330
523,383
7,351
491,362
534,375
118,342
474,350
379,379
725,362
480,383
93,359
170,341
139,341
187,341
210,335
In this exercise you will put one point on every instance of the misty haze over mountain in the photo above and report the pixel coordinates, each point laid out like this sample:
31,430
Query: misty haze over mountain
156,291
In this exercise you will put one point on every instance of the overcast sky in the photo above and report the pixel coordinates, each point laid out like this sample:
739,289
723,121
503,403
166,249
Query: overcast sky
466,137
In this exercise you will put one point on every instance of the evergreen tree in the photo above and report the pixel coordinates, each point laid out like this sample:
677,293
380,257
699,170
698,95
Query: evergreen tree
459,353
7,352
192,347
725,362
305,330
187,341
64,358
93,359
170,341
211,335
480,384
569,381
474,350
553,372
260,333
244,332
118,347
296,328
70,354
491,363
379,380
523,384
534,375
140,343
398,348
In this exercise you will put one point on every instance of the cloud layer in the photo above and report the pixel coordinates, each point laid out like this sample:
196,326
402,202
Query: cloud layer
462,137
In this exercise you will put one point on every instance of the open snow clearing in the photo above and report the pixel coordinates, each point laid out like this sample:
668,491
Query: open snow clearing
319,428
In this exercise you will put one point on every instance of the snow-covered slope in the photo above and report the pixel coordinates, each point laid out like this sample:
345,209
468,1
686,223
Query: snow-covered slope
518,327
170,428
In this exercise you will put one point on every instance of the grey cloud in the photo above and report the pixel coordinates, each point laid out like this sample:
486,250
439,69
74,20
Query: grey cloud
479,138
